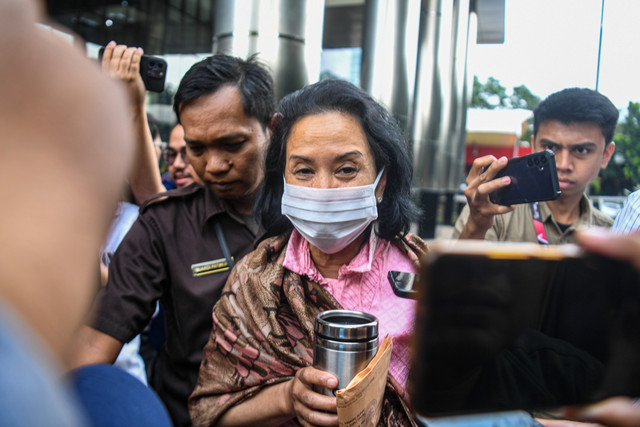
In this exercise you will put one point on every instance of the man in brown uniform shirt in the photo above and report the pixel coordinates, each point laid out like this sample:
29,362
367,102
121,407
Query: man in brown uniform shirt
180,249
578,126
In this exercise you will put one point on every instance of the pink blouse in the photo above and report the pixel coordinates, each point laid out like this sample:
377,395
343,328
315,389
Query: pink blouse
363,285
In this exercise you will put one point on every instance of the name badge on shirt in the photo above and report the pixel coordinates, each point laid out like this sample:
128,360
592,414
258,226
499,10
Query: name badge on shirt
210,267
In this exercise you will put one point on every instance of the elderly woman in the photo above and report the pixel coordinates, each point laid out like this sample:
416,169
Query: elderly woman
336,198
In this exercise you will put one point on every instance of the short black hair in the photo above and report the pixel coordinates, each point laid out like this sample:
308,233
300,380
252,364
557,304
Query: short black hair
252,79
576,105
389,148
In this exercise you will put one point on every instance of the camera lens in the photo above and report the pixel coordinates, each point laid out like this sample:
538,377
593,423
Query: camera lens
529,162
543,160
537,161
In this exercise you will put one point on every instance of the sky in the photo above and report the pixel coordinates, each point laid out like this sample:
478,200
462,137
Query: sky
553,44
549,45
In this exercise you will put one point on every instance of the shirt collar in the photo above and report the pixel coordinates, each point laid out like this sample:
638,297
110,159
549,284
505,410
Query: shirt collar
212,206
298,258
545,211
215,206
585,211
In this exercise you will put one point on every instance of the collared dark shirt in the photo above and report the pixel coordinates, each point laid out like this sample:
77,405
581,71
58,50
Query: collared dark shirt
172,253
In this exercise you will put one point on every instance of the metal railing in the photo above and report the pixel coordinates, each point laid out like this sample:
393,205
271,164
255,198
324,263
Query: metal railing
609,205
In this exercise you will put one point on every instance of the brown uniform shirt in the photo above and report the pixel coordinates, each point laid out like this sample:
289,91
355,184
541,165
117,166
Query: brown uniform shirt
172,254
517,225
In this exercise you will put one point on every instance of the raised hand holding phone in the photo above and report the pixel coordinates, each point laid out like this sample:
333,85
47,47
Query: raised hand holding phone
480,183
533,179
495,186
123,63
151,69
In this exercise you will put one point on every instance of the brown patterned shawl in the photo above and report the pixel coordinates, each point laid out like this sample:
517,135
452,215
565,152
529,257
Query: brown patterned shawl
263,328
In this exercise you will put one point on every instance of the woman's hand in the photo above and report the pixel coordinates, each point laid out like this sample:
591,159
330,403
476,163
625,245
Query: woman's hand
295,398
312,408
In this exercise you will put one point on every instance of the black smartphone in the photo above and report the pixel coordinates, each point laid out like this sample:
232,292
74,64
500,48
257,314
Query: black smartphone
506,326
403,284
153,71
533,179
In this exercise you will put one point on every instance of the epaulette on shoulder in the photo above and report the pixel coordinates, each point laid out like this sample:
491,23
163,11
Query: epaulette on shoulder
171,195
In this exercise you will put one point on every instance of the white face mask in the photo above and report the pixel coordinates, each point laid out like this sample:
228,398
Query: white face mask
330,218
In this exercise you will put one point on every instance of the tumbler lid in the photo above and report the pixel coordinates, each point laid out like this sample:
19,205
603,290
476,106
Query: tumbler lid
346,325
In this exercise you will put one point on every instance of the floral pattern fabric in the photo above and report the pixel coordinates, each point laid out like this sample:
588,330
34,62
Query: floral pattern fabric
263,328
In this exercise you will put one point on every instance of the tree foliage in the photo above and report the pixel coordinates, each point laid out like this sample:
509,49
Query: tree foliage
623,173
523,98
492,94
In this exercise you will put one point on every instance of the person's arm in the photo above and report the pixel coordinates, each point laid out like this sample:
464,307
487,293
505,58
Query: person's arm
628,219
601,241
295,398
480,183
613,412
123,63
123,307
93,346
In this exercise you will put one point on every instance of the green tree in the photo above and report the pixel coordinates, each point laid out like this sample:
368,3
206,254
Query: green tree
492,94
623,172
528,134
523,98
488,95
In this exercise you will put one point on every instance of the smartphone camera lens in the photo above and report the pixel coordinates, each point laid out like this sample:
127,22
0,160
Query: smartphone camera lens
530,163
543,160
155,69
537,161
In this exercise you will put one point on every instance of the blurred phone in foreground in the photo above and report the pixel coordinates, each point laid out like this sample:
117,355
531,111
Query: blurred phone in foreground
534,178
505,326
153,71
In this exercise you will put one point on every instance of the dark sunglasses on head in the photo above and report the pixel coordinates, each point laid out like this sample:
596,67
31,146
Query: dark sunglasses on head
170,155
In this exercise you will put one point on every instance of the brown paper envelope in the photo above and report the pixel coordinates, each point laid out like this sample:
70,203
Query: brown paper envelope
360,403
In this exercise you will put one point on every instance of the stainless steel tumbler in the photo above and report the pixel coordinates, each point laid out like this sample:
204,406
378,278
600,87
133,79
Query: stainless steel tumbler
345,342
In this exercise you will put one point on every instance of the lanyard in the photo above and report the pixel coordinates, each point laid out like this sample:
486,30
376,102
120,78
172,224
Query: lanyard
223,245
541,234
